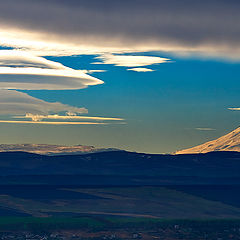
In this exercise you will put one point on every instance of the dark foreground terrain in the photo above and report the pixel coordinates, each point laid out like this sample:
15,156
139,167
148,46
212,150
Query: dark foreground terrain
155,202
120,168
120,195
117,228
44,212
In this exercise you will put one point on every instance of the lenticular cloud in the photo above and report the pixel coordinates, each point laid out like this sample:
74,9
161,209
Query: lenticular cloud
14,102
20,70
23,71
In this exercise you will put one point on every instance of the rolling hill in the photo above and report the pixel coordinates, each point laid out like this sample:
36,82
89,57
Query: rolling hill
120,167
121,184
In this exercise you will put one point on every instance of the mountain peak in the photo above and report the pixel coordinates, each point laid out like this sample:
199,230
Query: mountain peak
228,142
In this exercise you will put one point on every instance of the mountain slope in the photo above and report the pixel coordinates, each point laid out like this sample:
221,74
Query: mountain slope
228,142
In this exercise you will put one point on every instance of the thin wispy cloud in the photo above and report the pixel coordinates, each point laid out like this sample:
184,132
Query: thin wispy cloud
94,71
36,117
52,123
141,69
205,129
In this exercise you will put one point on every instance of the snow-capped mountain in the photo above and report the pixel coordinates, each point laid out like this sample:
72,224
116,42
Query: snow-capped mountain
228,142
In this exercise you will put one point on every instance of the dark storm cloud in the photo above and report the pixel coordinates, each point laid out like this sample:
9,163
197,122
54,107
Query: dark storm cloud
185,23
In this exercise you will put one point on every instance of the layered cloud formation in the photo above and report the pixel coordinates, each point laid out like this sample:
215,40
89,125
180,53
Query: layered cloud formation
21,70
208,28
14,102
108,28
37,110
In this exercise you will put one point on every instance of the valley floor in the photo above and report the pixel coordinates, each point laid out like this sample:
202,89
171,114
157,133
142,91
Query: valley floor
118,229
164,202
45,212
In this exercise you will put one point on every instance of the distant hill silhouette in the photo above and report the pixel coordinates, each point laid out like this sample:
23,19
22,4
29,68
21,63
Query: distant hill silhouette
50,149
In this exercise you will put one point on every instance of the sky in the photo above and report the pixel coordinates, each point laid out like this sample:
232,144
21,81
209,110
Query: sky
149,76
